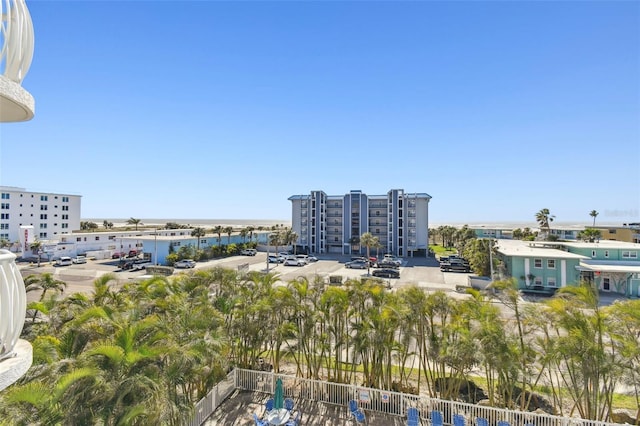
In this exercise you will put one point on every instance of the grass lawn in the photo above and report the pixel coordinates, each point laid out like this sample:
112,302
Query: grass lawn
442,251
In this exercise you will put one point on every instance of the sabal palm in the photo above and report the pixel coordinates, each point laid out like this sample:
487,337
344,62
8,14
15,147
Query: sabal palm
134,221
544,219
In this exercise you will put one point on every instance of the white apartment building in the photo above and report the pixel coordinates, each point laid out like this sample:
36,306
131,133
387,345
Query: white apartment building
50,214
334,223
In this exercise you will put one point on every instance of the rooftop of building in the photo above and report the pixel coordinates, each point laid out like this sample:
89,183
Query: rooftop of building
518,248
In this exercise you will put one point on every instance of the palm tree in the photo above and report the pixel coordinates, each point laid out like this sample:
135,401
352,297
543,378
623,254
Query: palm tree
368,240
134,221
250,230
544,218
44,282
228,230
36,246
218,230
243,233
594,214
198,232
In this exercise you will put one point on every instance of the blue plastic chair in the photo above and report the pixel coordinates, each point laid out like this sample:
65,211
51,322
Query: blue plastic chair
258,421
359,415
413,416
481,421
436,418
353,406
288,404
268,406
504,423
458,420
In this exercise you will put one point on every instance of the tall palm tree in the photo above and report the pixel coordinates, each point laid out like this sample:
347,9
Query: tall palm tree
228,230
368,240
134,221
198,232
218,230
544,219
594,214
250,230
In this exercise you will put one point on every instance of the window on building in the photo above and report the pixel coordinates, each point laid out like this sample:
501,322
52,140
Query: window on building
612,231
4,206
79,239
606,253
551,282
551,263
4,226
4,215
43,216
593,253
4,236
537,263
606,284
42,235
537,281
97,238
629,254
5,195
44,207
65,199
65,217
43,226
44,198
65,208
65,225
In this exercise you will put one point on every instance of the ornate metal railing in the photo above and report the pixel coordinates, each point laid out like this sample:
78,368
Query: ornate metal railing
13,303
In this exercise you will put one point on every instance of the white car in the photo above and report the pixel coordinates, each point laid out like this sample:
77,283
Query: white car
64,261
293,261
249,252
79,259
185,263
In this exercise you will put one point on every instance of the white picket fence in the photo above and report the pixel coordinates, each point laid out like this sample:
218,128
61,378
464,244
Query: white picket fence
370,399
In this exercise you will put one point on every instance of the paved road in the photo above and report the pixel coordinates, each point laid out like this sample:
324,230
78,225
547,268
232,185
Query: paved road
423,272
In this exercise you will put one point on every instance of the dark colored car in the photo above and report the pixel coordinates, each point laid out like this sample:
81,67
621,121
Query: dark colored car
388,264
386,273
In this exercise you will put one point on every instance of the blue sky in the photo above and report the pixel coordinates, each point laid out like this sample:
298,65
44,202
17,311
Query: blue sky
206,109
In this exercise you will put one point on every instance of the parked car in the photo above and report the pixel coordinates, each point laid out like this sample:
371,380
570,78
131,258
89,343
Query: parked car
294,261
79,259
311,258
275,259
185,263
386,273
303,257
126,265
392,258
249,252
388,264
140,264
132,253
117,255
64,261
356,264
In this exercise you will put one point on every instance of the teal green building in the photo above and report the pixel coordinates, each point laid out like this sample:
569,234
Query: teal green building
545,266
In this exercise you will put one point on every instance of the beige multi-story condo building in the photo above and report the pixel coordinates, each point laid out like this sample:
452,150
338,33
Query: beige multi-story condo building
334,223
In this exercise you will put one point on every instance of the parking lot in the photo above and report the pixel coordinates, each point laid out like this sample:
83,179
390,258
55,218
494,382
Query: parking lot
423,272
